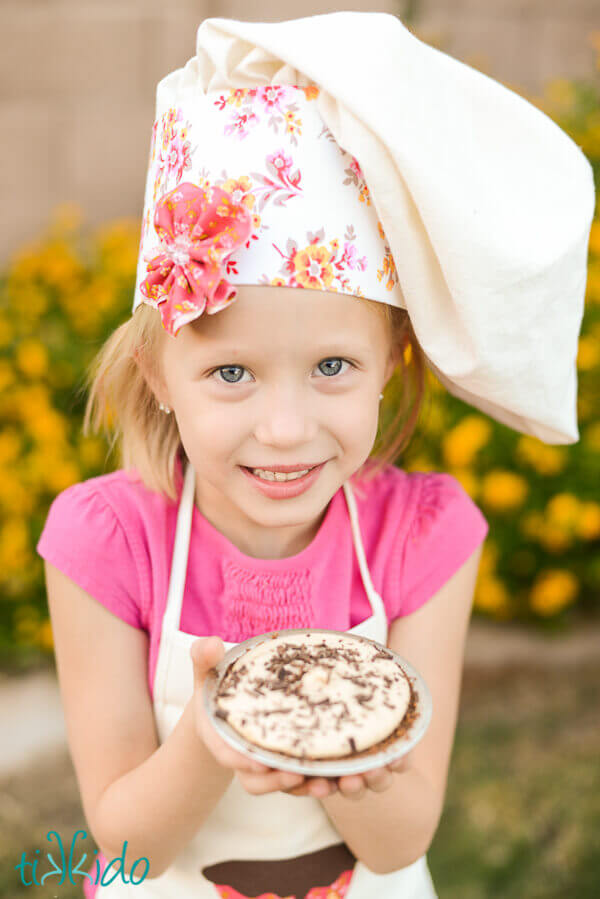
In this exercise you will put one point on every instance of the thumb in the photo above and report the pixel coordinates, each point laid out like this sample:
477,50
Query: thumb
205,653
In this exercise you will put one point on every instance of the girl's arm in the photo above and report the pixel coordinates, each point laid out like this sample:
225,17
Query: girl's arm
392,829
155,796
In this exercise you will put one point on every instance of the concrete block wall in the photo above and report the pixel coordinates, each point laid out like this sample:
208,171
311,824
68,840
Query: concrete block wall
78,78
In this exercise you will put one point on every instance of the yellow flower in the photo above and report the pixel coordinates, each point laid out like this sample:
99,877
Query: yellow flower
592,290
44,636
467,479
588,522
32,357
546,460
47,426
60,264
7,374
433,385
554,537
32,304
6,331
594,244
62,475
492,596
118,245
434,417
10,445
14,545
16,494
278,281
563,509
503,490
420,463
588,353
461,444
552,590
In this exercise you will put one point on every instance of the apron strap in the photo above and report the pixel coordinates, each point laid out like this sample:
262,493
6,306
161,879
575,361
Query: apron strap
172,616
374,597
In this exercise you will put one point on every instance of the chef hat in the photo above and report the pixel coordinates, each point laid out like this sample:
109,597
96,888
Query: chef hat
339,152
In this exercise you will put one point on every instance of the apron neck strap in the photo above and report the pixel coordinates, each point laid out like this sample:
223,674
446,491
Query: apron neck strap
358,544
179,563
181,550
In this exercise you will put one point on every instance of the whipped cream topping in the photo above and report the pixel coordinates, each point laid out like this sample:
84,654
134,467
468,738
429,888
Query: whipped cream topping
317,696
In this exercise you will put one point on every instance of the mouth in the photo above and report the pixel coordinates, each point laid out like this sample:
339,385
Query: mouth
281,474
280,486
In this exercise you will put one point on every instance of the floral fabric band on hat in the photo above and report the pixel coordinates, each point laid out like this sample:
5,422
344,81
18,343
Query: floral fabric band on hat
198,228
299,202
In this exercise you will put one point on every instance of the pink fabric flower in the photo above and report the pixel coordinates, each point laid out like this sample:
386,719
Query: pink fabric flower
198,229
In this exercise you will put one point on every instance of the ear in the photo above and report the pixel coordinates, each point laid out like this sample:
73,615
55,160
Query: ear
153,380
393,360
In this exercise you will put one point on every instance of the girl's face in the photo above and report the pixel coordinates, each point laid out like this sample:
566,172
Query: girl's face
281,376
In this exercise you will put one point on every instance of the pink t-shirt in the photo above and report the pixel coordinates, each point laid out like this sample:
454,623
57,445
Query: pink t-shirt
115,538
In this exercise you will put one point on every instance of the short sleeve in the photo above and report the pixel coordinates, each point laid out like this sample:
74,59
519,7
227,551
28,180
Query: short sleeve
84,538
443,529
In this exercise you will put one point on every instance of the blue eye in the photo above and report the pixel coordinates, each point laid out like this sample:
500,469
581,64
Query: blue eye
228,378
337,365
229,369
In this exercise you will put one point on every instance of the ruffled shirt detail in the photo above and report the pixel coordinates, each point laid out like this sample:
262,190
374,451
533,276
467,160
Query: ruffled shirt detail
257,602
436,491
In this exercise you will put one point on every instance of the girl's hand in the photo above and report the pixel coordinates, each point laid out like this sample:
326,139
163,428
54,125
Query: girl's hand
205,653
354,786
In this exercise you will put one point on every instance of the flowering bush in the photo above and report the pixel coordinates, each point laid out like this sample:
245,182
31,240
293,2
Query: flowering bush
61,297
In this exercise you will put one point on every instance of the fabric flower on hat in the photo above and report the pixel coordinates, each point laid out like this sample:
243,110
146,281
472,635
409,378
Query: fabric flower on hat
198,228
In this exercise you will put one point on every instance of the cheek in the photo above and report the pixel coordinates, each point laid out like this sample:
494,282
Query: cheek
356,425
211,428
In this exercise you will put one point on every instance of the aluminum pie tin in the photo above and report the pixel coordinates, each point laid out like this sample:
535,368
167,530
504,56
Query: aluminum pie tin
392,751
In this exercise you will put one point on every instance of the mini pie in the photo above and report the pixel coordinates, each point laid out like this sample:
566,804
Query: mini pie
317,696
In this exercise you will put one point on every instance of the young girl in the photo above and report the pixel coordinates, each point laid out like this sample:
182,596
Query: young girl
215,392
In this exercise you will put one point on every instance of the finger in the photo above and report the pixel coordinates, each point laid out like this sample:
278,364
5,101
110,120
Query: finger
205,653
401,764
267,783
351,786
318,787
378,780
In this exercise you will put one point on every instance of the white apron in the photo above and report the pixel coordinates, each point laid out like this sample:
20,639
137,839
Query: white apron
252,845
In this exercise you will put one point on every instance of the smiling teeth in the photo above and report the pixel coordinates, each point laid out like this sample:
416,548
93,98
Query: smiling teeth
278,475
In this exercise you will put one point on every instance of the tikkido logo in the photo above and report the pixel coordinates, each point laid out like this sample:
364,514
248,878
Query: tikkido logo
66,865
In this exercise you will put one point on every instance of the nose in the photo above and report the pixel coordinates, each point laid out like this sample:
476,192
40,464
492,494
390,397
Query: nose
285,419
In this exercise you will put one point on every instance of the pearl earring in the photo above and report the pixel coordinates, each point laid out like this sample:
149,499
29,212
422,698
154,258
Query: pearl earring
164,408
380,396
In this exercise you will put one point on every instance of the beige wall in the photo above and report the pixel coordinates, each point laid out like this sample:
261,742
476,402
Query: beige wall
77,82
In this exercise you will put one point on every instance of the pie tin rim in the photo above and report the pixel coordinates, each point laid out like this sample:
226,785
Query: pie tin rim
322,767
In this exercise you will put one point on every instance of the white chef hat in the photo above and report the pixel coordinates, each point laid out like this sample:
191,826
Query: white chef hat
481,204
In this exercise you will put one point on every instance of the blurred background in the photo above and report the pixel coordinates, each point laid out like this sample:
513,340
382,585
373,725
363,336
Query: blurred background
77,86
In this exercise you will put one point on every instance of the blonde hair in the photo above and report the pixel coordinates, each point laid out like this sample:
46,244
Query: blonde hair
122,404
